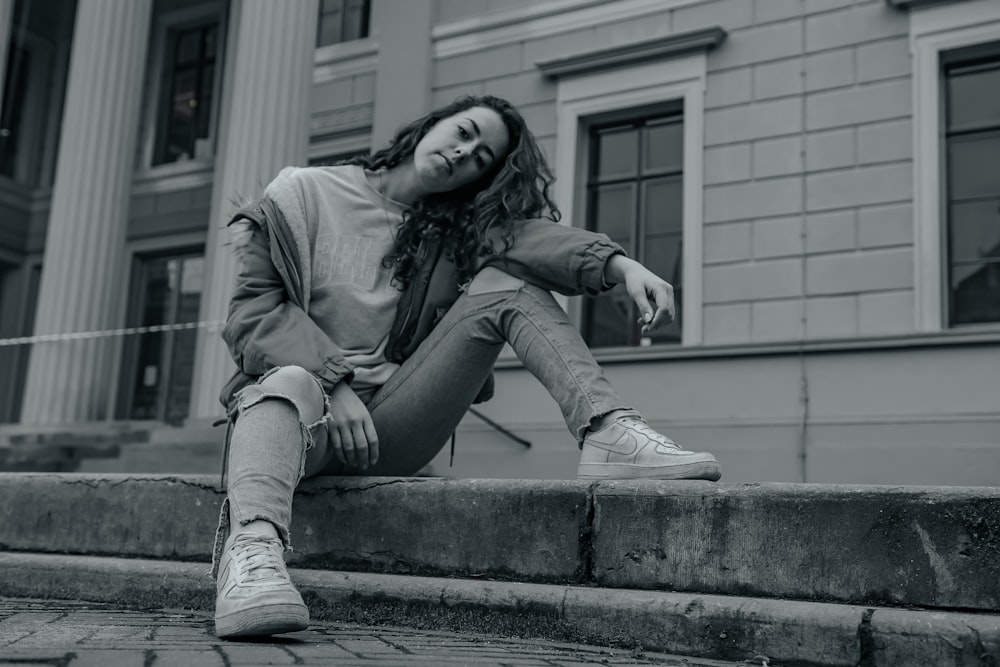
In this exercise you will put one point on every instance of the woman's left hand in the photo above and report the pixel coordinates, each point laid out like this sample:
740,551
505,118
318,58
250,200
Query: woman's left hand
652,294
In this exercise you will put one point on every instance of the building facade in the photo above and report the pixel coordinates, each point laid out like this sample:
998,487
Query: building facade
817,178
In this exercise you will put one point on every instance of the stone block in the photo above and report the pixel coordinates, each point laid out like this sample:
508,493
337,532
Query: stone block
758,44
831,317
831,232
880,226
768,11
725,164
886,313
729,87
757,199
887,59
854,106
885,142
780,237
727,324
777,157
761,120
727,242
771,279
829,69
648,26
848,27
859,187
830,150
776,320
921,546
867,271
777,79
478,66
529,531
730,14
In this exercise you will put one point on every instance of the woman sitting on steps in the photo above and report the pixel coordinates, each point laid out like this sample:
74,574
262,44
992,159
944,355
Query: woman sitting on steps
372,302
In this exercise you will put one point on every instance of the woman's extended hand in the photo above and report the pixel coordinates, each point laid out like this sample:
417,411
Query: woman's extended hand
352,433
652,294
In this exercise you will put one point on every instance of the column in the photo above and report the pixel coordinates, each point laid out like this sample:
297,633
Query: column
81,287
6,20
403,75
264,126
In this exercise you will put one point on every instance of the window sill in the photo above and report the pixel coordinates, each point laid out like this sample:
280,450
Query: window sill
987,334
176,176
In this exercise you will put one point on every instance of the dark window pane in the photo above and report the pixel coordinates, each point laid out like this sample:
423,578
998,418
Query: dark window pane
664,147
609,320
617,153
164,363
188,46
975,293
204,106
973,98
974,230
355,20
211,39
664,205
14,96
614,210
663,257
974,165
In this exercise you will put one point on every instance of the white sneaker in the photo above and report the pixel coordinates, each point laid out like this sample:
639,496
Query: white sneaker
254,594
629,449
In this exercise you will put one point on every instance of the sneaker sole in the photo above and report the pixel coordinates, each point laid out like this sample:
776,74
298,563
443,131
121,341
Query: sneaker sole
261,621
705,470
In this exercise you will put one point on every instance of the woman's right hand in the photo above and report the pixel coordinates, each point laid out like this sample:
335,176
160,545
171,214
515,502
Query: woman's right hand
352,433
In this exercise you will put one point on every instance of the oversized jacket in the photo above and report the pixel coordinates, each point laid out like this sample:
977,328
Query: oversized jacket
268,323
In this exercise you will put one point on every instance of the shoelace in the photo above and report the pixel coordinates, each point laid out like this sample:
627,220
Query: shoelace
643,427
257,558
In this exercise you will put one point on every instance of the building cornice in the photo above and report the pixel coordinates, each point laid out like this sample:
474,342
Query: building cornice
540,21
634,53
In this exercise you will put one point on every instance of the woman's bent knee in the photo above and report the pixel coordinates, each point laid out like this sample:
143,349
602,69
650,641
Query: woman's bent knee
299,386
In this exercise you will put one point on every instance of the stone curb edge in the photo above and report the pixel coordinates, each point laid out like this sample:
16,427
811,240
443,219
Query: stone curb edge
712,626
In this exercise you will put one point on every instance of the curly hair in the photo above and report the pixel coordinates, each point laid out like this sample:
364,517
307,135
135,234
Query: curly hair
515,188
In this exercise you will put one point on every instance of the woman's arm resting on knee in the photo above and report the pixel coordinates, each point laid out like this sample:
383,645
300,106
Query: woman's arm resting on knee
653,295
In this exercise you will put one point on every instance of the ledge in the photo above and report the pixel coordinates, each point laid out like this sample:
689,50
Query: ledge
630,54
917,4
975,336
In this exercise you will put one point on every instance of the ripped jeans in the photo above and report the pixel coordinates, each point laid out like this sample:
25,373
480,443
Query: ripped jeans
420,406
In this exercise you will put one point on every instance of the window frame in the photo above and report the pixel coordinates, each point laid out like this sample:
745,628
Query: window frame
580,99
933,31
637,119
366,23
135,250
29,163
194,171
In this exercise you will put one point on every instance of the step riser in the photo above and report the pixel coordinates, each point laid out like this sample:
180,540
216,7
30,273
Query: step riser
737,628
869,545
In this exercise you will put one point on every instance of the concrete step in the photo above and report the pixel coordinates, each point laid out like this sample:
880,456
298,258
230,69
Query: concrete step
932,547
754,630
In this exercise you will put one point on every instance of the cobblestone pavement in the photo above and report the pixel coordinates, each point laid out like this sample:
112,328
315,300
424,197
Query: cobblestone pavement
64,633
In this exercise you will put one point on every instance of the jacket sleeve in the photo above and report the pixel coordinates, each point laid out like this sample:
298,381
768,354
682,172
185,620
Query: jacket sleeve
264,329
556,257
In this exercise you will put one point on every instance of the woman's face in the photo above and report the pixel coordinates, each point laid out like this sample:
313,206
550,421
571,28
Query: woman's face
460,149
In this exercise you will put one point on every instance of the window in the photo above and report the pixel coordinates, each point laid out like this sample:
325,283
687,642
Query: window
11,116
342,21
635,196
185,121
972,148
953,46
158,367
